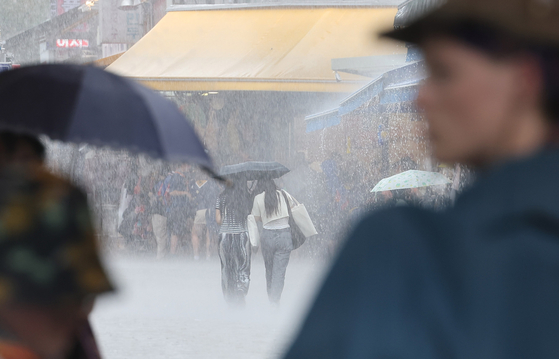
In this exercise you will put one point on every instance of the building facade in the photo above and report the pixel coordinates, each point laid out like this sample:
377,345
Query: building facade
82,32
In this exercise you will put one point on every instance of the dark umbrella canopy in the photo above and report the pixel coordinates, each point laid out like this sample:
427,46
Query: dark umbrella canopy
254,170
86,104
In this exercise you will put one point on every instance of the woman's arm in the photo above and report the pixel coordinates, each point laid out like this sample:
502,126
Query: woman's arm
256,211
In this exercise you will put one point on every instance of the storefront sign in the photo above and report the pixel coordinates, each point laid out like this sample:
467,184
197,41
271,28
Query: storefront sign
63,6
72,43
119,26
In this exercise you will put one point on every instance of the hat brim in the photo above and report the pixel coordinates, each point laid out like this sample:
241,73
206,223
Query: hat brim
406,34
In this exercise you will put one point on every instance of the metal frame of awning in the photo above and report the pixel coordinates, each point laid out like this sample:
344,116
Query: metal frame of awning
288,5
369,66
232,84
399,86
106,61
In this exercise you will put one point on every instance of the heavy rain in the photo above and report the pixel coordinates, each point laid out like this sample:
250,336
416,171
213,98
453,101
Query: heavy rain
304,117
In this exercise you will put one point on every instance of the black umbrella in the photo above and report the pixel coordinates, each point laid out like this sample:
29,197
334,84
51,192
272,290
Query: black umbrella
254,170
86,104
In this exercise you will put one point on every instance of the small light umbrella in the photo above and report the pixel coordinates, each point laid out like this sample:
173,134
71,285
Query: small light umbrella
411,179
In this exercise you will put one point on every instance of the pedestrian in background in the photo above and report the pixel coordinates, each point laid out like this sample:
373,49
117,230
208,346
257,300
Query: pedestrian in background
270,208
159,203
232,210
205,193
181,208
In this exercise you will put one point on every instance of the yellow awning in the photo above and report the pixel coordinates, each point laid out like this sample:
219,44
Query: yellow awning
106,61
260,49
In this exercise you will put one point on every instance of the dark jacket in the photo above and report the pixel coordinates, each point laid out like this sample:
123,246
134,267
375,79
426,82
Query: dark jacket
480,280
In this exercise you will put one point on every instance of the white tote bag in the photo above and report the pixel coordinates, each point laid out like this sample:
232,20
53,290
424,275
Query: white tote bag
302,218
253,234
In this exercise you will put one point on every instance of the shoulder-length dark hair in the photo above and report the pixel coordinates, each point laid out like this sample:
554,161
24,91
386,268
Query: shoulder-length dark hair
235,201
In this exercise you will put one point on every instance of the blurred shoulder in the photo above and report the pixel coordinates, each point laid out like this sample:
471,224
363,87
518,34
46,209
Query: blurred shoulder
397,221
403,229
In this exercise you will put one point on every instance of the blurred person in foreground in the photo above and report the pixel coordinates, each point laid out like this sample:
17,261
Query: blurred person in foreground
480,280
232,209
24,152
50,272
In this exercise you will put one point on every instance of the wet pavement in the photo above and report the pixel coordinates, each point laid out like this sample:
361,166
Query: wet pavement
175,309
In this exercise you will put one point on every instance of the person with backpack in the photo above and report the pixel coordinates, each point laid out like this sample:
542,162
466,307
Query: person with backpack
135,226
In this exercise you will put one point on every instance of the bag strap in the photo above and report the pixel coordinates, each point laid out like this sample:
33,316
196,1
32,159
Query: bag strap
287,204
293,199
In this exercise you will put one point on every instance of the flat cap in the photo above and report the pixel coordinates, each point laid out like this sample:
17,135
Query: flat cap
535,21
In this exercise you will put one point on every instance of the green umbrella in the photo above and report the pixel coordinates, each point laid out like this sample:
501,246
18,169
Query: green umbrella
411,179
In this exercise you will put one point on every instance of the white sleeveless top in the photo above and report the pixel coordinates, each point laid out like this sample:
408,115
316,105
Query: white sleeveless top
278,220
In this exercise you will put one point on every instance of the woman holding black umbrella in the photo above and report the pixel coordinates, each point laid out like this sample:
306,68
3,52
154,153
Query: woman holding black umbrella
232,210
270,207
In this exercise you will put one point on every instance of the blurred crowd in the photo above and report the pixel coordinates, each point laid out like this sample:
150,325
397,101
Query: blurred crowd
156,208
169,210
337,193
